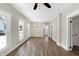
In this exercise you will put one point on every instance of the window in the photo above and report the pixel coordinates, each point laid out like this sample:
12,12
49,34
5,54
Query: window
3,33
21,29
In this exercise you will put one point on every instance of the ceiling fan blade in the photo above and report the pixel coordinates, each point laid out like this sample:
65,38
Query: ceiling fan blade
35,6
47,5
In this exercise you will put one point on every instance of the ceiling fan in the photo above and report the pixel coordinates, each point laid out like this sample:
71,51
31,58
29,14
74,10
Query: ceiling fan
46,4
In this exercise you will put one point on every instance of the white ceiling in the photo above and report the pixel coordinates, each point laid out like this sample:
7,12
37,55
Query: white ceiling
42,13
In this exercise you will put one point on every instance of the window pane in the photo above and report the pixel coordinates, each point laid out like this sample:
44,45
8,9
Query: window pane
21,29
3,35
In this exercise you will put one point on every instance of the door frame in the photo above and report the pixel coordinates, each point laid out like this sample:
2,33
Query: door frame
69,29
51,30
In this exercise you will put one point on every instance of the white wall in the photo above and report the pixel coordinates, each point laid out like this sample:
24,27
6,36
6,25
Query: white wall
27,28
64,26
14,30
68,11
56,29
37,29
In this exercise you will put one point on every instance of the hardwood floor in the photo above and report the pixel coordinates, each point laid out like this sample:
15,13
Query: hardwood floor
42,47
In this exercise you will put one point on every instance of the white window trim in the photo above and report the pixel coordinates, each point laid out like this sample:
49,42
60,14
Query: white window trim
8,25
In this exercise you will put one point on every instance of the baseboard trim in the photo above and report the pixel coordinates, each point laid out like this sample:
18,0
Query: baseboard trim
13,48
64,47
61,45
56,42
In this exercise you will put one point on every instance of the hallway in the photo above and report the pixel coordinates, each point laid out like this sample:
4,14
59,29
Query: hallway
26,27
41,46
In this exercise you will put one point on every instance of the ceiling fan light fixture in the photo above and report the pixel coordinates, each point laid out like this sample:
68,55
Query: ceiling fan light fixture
35,6
47,5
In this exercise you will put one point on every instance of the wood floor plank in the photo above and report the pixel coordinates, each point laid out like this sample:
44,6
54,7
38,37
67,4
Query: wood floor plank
42,46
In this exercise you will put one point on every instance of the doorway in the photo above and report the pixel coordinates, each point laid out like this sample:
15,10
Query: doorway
74,32
46,30
51,31
72,29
